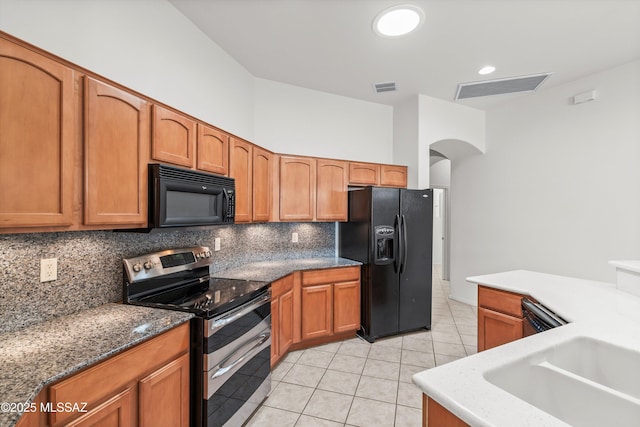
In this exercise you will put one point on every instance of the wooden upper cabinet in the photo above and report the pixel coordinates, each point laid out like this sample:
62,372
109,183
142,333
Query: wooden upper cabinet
297,188
116,154
241,169
213,150
37,139
393,176
174,137
331,198
364,174
262,188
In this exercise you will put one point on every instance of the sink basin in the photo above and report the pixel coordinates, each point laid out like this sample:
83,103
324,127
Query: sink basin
583,382
612,366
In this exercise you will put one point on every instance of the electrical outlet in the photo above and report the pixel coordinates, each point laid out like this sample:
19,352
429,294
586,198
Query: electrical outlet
294,237
48,269
216,244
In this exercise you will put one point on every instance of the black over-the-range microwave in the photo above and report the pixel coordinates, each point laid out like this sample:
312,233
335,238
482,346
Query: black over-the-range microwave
184,198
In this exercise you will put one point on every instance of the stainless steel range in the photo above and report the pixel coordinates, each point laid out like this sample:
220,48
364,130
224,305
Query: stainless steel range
231,333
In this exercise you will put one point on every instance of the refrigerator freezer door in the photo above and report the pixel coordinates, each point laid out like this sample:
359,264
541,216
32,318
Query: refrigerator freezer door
416,210
381,285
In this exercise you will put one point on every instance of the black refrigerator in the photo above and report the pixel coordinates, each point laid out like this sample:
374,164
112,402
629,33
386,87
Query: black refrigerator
390,230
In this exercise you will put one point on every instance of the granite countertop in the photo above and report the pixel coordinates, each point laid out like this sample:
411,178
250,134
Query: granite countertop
38,355
596,309
268,271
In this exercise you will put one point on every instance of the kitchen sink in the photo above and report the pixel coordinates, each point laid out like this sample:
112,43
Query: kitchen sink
583,382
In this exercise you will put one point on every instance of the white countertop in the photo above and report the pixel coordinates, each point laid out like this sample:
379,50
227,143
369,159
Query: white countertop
632,265
595,309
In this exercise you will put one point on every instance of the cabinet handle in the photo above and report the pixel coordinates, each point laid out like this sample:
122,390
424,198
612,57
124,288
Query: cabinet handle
225,366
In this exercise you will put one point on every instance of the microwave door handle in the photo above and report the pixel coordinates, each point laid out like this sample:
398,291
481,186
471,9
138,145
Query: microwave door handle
225,204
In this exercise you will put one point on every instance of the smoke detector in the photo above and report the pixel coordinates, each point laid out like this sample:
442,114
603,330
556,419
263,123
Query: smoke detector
501,86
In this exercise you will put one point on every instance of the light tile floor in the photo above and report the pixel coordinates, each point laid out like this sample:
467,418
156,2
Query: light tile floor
354,383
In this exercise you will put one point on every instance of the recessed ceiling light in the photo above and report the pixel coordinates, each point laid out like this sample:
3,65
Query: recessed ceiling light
398,20
488,69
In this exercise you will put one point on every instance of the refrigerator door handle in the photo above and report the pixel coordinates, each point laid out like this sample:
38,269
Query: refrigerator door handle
403,241
397,257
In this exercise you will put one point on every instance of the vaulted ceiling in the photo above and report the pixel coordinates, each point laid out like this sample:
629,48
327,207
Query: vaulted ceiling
329,45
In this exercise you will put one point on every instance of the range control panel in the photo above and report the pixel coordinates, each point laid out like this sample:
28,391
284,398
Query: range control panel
166,262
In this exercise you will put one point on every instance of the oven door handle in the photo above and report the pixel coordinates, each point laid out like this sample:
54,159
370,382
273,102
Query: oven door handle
225,366
239,312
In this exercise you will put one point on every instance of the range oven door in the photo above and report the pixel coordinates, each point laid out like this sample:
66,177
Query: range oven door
237,363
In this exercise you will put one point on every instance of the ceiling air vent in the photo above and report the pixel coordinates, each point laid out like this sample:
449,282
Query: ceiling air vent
500,86
384,87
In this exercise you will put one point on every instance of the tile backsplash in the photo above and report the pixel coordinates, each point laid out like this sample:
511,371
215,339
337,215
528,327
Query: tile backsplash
90,262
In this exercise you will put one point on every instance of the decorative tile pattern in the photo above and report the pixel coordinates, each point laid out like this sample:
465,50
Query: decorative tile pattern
90,262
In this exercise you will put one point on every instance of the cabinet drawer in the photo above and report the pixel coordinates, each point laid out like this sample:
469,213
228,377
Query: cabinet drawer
501,301
330,275
281,286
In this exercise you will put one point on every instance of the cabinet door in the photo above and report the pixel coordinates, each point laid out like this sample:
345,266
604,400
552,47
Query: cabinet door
116,153
285,322
495,329
213,150
241,169
174,137
317,311
346,306
297,188
115,412
275,331
262,170
364,174
164,395
331,196
393,176
37,139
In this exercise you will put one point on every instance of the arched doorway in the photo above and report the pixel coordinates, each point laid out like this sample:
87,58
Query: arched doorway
442,154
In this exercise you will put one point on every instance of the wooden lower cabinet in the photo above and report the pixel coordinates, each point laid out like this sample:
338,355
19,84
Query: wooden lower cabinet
161,395
346,306
500,318
314,307
330,302
317,311
115,412
147,386
435,415
282,318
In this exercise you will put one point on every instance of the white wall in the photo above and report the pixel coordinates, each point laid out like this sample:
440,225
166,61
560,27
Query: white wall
406,139
150,47
440,173
295,120
146,45
444,121
557,190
